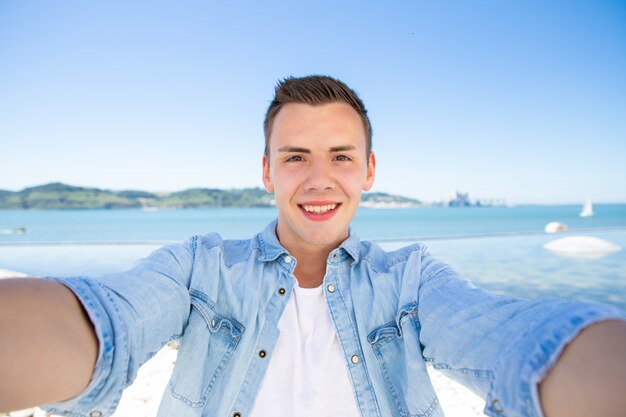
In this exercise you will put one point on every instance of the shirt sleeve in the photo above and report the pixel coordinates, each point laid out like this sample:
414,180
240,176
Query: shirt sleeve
134,314
500,348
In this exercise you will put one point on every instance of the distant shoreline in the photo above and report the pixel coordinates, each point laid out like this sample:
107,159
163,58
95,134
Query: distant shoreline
59,196
362,206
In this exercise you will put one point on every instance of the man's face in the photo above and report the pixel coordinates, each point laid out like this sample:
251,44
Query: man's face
317,168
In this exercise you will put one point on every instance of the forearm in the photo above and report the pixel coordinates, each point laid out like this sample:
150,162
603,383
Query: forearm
48,347
589,379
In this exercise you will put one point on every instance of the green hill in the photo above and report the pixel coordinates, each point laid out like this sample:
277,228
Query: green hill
211,197
62,196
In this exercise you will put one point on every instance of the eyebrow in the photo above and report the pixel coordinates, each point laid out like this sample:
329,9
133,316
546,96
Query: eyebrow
342,148
294,149
305,150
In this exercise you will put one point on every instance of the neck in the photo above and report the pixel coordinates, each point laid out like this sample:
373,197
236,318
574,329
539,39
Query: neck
311,257
311,268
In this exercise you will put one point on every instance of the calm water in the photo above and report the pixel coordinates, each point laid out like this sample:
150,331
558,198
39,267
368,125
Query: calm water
508,258
176,225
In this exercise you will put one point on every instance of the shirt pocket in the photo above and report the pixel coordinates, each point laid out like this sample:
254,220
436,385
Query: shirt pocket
205,351
396,346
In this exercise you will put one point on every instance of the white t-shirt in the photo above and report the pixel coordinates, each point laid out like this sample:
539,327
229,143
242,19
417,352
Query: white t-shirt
307,375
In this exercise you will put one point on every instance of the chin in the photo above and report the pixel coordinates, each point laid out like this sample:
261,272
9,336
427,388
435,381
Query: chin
325,239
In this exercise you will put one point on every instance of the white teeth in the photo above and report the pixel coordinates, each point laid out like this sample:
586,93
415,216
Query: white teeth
319,209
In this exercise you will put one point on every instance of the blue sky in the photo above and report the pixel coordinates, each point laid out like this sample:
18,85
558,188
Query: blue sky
524,101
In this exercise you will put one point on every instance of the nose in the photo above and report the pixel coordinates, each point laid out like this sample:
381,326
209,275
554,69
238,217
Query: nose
319,177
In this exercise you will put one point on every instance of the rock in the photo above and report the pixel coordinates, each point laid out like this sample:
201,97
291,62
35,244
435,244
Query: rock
586,247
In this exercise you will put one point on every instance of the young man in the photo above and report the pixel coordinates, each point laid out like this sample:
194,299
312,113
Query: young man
304,319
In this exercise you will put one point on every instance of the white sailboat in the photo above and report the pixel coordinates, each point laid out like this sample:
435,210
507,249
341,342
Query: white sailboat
587,210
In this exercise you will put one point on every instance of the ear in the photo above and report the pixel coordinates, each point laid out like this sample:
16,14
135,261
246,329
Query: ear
267,180
371,172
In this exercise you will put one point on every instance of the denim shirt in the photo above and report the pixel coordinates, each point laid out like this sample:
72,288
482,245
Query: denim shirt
394,313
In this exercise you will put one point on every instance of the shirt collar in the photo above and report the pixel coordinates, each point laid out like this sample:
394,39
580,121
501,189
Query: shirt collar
269,244
352,245
272,249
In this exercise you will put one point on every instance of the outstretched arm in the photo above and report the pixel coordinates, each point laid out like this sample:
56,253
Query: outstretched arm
525,357
48,347
589,379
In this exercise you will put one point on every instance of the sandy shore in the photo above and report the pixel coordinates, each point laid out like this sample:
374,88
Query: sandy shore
142,398
5,273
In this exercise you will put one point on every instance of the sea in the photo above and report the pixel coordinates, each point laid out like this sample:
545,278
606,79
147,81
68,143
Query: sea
500,249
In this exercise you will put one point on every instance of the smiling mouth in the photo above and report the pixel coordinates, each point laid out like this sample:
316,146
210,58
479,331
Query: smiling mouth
319,209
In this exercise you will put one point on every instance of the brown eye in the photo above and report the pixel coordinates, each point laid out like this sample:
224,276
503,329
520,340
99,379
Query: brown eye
294,158
342,158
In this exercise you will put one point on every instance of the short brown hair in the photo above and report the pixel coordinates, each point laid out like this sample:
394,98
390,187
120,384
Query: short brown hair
314,90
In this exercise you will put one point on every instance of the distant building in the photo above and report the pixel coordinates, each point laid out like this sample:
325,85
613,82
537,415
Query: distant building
458,199
491,202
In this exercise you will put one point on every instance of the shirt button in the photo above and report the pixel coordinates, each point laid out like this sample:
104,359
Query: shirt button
262,353
95,413
335,255
213,323
354,359
497,406
237,415
330,288
281,291
288,259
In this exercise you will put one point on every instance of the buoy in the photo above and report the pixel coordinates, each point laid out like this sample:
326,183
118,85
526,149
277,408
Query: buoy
555,227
